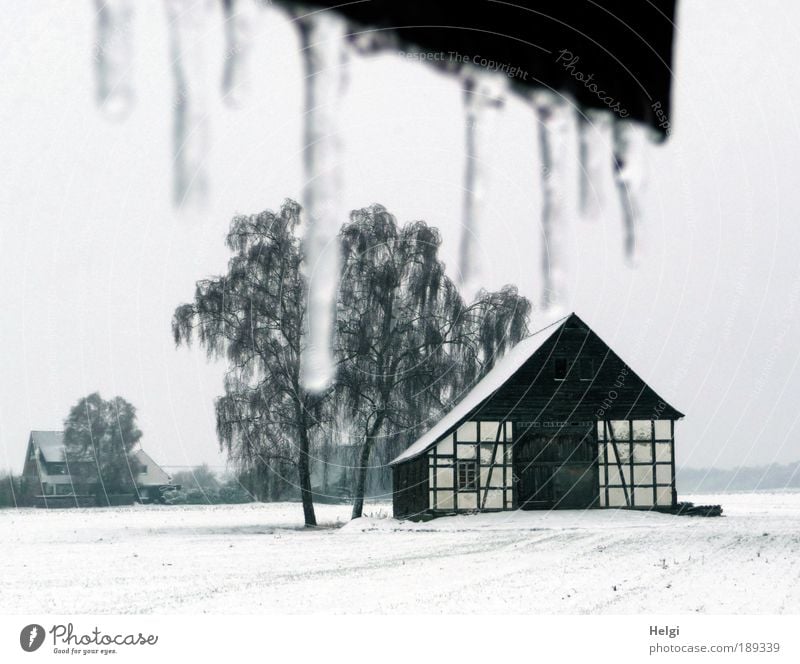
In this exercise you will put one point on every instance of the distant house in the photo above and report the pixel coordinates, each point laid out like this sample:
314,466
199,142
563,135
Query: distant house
152,480
559,422
46,474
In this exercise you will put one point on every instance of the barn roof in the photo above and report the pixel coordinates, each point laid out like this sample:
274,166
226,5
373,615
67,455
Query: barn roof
483,389
500,374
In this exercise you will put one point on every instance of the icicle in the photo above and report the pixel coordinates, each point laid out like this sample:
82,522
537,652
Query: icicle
113,57
186,22
553,116
596,162
482,96
239,20
630,144
324,58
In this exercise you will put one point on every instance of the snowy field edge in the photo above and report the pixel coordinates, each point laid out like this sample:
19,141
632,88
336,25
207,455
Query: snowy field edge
258,558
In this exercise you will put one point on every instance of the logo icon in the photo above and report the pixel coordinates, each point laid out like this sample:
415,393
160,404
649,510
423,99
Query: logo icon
31,637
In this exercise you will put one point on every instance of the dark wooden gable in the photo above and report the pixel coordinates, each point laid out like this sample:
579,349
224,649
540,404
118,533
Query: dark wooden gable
29,468
597,384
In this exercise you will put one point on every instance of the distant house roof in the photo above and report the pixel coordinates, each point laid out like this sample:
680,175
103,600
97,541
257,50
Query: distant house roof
51,446
153,475
490,383
512,363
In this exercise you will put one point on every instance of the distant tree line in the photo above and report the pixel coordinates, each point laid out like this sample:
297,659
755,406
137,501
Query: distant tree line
11,489
201,486
751,478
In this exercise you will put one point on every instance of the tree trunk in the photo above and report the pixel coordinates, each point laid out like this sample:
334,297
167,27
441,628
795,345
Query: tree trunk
361,479
361,471
305,479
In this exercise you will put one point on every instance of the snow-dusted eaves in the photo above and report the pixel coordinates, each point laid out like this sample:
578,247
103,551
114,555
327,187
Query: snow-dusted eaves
487,386
154,474
50,444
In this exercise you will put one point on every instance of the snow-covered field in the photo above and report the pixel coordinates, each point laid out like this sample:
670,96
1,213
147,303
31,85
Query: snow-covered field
256,558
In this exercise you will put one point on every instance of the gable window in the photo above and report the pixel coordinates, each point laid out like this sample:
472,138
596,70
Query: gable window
560,368
467,476
586,368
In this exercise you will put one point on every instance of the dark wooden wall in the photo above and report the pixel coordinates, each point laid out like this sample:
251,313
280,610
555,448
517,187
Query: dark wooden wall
410,480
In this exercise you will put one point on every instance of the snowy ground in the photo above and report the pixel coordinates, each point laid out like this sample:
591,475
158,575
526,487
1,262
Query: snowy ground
256,558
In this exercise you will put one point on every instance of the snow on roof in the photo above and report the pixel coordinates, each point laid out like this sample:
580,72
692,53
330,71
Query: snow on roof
153,474
50,444
483,389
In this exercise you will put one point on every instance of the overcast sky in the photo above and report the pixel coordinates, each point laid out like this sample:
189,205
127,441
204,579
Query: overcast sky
93,258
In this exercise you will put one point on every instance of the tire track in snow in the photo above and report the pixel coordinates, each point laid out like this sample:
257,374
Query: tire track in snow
443,550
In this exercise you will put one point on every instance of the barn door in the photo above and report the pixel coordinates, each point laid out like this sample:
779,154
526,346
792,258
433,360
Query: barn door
534,470
554,469
535,487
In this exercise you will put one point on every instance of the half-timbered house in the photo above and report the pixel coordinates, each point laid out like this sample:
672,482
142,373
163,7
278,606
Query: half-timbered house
561,421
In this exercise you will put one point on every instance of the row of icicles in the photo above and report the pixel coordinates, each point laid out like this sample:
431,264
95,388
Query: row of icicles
606,145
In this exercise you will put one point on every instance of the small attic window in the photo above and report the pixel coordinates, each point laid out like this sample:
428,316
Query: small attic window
560,368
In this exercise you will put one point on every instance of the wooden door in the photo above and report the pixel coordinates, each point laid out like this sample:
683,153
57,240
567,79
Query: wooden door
535,486
554,469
